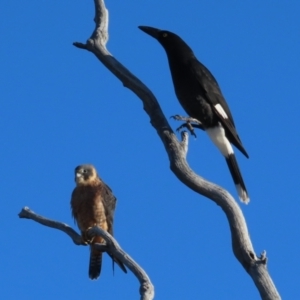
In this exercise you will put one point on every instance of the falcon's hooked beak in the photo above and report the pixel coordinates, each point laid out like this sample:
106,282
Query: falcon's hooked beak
79,176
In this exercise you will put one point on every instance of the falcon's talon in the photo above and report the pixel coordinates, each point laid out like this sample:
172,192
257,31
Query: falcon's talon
84,241
87,238
90,236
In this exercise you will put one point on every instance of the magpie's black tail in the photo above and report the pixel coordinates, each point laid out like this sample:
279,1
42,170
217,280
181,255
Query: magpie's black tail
237,178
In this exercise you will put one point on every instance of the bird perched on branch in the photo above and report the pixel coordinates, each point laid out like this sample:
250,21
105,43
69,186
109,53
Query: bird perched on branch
200,96
93,204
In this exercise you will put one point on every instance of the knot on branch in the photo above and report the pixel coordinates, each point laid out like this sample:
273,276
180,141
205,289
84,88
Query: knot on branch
146,288
263,258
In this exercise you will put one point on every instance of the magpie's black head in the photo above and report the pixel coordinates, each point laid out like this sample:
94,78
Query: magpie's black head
85,174
171,42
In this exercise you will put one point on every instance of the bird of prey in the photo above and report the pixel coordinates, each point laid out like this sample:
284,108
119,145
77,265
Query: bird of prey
200,96
93,204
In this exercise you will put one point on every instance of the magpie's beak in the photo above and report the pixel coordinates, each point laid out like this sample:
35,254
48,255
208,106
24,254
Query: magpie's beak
154,32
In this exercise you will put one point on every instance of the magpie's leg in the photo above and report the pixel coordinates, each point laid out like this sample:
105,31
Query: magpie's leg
188,124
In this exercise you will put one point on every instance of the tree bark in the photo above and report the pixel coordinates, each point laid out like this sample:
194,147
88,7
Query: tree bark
111,246
243,250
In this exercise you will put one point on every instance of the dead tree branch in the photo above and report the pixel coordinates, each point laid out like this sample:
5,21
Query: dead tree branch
112,247
242,247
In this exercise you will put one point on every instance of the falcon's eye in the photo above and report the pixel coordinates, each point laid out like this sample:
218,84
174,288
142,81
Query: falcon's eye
165,34
84,171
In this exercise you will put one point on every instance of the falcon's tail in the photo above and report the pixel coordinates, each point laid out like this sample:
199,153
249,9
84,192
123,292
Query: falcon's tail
237,178
95,263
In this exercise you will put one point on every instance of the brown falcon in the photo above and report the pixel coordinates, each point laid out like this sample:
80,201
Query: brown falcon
93,204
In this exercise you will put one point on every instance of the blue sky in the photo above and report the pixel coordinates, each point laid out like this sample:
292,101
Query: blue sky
60,108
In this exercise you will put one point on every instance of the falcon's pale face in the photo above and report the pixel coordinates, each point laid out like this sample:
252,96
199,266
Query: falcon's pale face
85,174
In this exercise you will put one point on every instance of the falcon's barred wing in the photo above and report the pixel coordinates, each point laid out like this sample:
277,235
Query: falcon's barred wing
109,203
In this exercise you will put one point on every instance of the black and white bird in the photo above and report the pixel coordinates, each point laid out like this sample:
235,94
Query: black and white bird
200,95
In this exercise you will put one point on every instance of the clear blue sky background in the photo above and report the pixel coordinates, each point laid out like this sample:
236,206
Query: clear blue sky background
60,108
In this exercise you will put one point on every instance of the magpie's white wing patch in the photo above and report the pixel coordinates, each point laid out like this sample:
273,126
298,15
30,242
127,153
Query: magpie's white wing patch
221,111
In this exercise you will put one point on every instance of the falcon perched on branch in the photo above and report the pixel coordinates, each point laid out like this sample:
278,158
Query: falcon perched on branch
93,204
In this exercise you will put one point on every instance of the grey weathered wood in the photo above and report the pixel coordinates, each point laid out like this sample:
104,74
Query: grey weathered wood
112,247
241,243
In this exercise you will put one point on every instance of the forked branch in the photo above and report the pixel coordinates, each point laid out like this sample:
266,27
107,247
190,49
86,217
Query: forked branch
112,247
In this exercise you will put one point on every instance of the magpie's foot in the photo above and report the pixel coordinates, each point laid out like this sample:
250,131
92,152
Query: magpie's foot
189,127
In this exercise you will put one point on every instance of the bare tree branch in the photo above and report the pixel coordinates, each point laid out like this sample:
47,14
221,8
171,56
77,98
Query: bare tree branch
241,243
111,246
26,213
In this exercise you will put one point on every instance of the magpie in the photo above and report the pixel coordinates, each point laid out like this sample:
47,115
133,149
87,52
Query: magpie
200,96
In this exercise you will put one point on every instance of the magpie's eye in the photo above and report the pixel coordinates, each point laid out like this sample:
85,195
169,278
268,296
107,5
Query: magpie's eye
165,34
